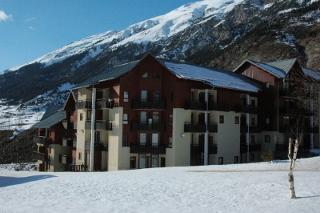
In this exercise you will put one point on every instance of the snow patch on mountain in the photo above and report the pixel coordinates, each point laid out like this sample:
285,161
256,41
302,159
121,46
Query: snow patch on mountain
151,30
23,116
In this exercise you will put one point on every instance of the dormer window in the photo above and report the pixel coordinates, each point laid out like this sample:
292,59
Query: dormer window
145,75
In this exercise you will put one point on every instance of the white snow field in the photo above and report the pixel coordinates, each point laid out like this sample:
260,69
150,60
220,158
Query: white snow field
257,187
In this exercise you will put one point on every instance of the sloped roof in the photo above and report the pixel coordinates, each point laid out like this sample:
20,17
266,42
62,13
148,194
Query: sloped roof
279,69
275,71
285,65
213,77
51,120
108,74
313,74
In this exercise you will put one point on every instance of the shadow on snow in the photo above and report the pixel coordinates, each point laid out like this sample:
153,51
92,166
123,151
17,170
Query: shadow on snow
10,181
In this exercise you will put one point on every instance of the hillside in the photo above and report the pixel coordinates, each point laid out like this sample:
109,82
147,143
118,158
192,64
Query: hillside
214,33
256,187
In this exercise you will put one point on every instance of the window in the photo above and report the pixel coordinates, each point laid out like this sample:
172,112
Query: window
125,96
133,162
267,139
145,75
125,118
236,120
81,116
252,139
171,96
163,162
155,139
89,115
156,117
60,158
155,161
156,96
144,95
220,160
97,139
236,159
142,161
79,156
143,117
143,138
221,119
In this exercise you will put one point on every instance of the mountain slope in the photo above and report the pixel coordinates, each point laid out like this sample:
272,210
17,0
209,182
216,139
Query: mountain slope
215,33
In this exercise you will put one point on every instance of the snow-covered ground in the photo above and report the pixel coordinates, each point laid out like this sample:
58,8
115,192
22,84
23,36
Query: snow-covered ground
260,187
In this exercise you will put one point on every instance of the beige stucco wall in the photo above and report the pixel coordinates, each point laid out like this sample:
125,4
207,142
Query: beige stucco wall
179,154
118,156
228,136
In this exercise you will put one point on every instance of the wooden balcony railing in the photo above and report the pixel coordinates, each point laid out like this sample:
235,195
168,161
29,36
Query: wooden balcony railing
100,125
148,104
252,129
154,126
199,147
252,148
148,148
100,104
193,127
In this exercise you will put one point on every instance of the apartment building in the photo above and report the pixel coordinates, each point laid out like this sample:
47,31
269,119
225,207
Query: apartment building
54,142
278,104
156,113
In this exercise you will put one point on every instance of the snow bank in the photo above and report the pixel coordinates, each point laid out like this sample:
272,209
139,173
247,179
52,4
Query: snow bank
248,188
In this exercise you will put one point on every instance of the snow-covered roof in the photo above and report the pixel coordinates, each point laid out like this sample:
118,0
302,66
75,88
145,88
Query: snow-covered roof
285,65
51,120
108,74
213,77
314,74
279,69
271,69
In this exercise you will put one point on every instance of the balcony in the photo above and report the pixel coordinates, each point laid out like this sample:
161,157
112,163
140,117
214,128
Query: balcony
248,109
281,147
83,105
154,126
100,104
148,104
252,148
195,105
100,125
252,129
40,140
106,104
148,148
192,127
198,148
98,145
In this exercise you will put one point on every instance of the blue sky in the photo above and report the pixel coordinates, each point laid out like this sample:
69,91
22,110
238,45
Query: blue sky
31,28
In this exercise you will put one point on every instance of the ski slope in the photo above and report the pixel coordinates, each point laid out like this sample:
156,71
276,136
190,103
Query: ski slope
258,187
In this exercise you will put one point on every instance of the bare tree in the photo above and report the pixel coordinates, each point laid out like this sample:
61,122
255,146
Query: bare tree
293,151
